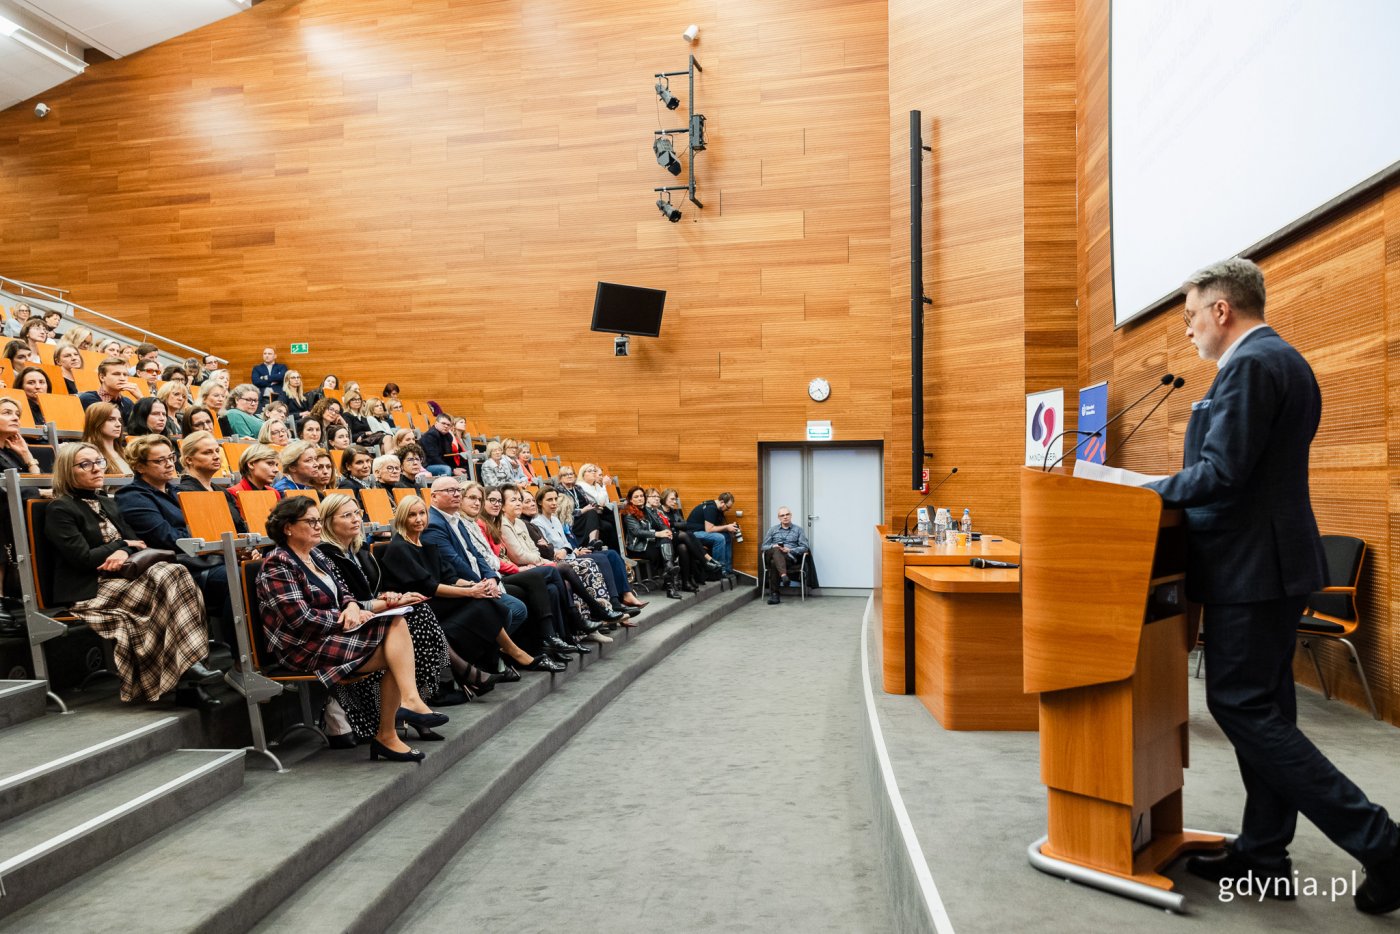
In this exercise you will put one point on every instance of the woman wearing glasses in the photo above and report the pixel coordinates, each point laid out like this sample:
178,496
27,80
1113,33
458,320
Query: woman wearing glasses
314,624
156,619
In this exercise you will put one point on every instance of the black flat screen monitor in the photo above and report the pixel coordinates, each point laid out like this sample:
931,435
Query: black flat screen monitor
628,309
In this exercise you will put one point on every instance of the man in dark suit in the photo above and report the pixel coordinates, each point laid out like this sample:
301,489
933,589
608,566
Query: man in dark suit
268,376
1253,557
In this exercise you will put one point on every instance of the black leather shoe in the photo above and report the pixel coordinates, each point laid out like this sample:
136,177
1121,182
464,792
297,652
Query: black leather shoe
1273,880
509,675
631,610
774,599
201,674
580,648
341,741
378,750
414,718
557,646
195,696
1380,893
543,662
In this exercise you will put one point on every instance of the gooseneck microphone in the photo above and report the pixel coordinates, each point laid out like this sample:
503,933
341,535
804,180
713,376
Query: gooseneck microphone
926,496
1165,381
1180,381
989,563
1074,450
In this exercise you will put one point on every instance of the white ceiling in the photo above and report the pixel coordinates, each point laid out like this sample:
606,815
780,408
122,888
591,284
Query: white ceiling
47,49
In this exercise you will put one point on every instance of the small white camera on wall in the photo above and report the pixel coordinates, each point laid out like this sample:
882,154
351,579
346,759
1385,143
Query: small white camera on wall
691,32
41,110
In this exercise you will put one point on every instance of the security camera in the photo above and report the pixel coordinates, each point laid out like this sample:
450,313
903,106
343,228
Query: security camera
620,345
41,110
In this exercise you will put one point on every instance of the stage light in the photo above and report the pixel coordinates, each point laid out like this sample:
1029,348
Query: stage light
663,91
668,210
666,155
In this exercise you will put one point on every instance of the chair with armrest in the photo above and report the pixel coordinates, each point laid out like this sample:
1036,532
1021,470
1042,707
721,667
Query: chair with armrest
1331,611
256,505
377,505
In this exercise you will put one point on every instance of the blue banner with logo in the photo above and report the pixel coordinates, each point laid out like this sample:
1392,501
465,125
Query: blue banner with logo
1093,414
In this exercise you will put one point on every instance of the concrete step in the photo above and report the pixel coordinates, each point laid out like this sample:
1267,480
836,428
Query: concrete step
227,868
395,861
45,759
44,848
20,701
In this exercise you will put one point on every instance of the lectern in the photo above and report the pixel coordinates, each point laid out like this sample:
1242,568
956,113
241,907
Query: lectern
1106,634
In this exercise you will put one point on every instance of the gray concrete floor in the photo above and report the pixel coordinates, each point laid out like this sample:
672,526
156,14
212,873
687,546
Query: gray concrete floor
976,803
723,791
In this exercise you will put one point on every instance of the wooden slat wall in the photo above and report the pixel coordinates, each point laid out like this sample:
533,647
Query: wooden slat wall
961,65
428,192
1335,294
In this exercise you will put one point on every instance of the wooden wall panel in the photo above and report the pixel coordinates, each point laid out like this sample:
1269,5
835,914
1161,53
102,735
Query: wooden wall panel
961,65
1335,294
428,191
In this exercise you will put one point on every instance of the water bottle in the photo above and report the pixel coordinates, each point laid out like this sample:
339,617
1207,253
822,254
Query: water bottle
924,527
965,525
940,526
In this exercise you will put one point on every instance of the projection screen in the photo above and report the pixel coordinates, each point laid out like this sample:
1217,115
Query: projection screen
1232,122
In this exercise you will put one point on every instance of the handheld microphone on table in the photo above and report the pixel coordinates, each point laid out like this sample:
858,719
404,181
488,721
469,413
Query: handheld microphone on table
1165,381
989,563
926,496
1180,381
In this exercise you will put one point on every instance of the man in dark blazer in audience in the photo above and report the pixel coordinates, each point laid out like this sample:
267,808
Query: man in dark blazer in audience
1253,557
268,376
112,379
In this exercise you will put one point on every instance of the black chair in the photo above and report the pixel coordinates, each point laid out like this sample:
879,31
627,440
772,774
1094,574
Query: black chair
806,574
1331,611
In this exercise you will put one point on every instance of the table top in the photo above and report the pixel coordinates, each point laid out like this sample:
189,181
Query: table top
990,546
954,579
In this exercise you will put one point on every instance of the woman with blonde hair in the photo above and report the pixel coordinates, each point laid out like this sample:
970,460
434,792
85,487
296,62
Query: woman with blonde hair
155,618
473,620
176,398
294,394
79,337
275,431
102,428
67,358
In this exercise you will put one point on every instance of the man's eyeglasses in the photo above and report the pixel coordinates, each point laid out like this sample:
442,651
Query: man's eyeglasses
99,464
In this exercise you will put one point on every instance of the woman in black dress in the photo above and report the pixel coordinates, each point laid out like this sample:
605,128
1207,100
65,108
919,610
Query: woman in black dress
473,621
693,559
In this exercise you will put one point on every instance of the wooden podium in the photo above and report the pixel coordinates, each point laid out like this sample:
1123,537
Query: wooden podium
1106,635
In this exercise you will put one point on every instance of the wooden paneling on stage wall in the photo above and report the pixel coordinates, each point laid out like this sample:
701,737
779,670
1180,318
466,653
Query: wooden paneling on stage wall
1335,294
995,82
428,191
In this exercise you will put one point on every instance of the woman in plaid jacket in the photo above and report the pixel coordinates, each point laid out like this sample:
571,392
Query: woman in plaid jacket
313,624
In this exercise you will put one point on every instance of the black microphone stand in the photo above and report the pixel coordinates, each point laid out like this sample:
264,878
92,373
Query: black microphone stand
1180,381
926,496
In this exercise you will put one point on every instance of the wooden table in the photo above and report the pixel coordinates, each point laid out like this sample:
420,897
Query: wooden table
894,615
967,655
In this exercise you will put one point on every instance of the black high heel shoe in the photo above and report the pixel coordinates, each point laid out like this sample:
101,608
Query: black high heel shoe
378,750
427,734
421,719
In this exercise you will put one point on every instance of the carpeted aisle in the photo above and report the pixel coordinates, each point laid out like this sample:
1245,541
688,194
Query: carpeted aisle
723,791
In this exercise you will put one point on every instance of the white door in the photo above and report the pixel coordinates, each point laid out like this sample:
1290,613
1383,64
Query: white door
846,502
785,485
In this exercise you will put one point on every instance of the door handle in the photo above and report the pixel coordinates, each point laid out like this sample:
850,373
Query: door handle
810,518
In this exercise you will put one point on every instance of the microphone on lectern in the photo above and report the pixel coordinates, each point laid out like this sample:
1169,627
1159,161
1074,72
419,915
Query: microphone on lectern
1180,381
1103,432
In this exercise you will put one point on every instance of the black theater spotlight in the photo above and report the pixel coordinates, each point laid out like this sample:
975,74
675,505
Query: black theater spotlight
668,210
666,155
663,91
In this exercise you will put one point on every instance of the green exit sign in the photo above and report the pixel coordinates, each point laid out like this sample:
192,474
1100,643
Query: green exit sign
301,348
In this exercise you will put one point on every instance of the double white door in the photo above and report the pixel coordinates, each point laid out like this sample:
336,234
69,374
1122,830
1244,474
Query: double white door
837,495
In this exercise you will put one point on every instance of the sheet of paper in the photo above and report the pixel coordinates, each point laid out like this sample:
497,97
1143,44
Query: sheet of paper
393,611
1086,470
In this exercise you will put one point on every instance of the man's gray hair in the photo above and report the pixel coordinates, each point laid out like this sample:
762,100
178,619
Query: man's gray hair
1237,280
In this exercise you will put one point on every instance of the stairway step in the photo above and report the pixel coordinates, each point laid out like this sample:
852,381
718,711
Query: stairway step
227,868
43,760
47,847
395,861
21,701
